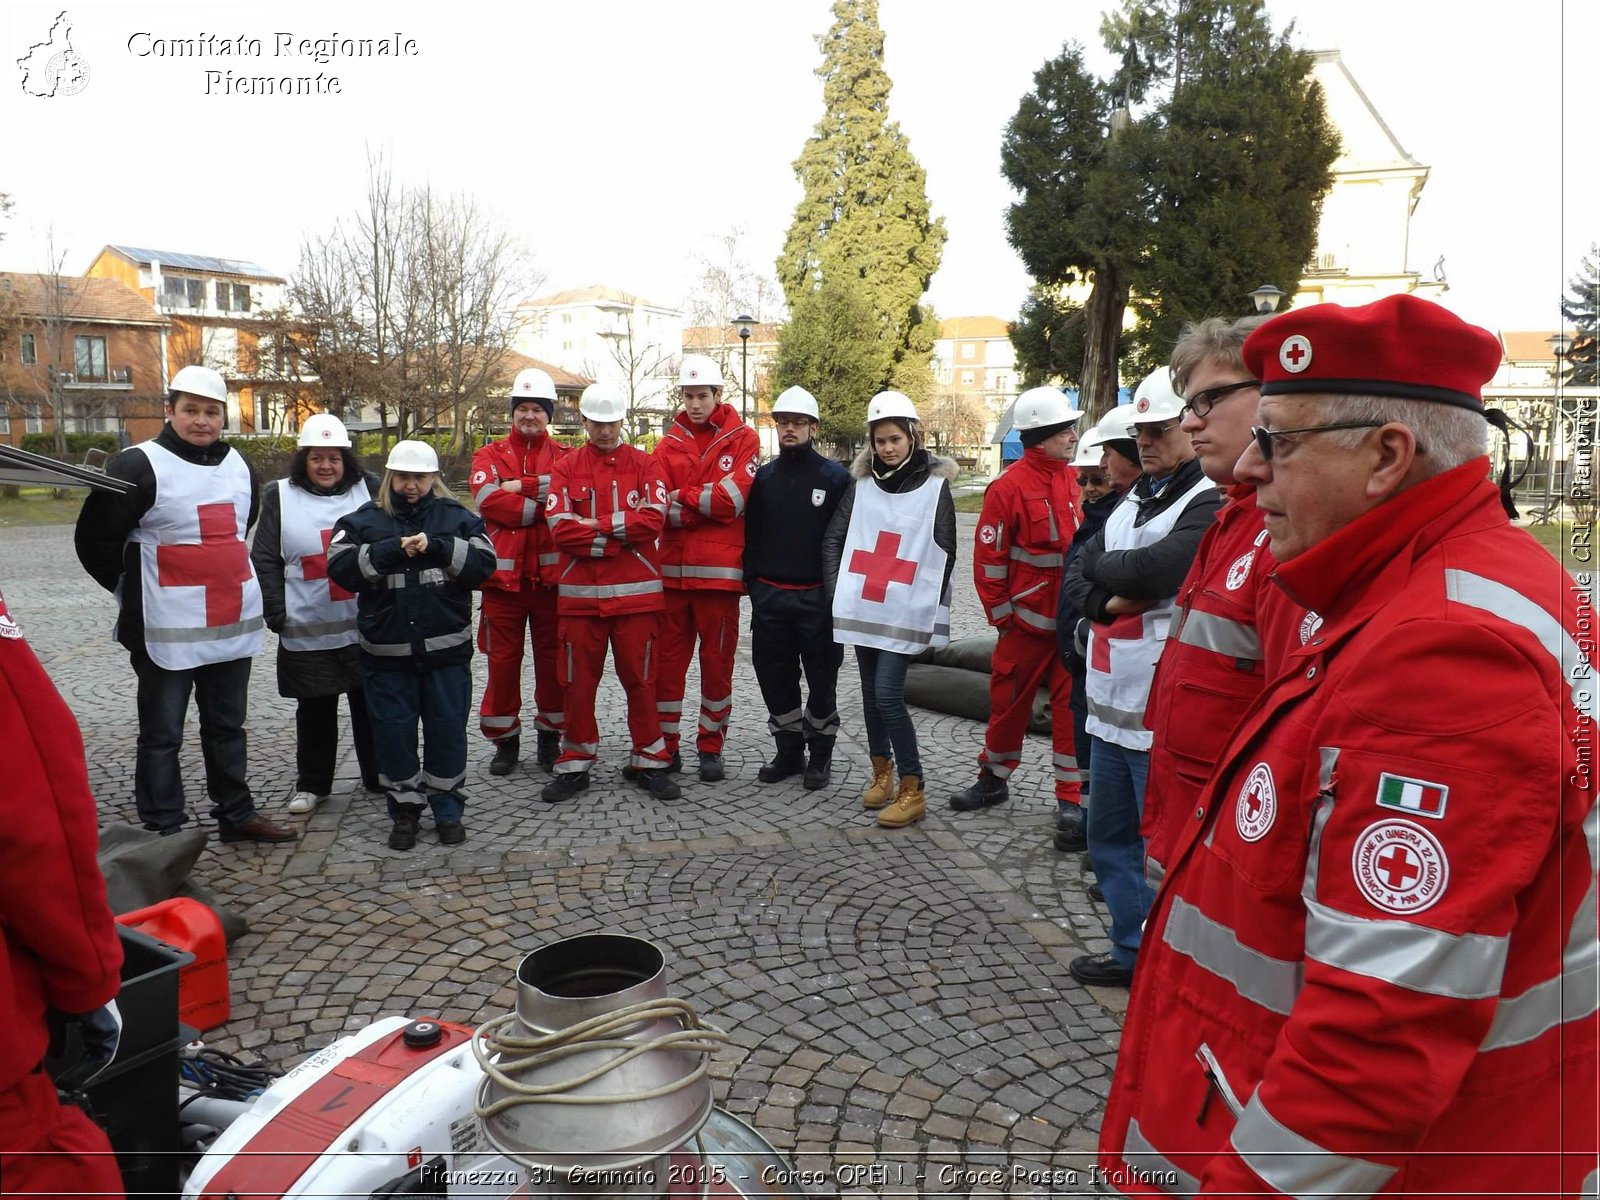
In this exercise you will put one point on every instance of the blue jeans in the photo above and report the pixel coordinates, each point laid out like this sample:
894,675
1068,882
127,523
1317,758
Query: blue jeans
438,698
890,733
1116,851
220,691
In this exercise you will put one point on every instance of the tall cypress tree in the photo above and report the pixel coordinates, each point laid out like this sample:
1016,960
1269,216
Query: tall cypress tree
1581,306
864,216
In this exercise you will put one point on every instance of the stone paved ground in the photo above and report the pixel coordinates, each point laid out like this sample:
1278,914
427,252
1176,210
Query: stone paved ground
894,997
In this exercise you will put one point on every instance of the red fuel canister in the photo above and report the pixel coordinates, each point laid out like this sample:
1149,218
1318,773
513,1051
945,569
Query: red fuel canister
192,926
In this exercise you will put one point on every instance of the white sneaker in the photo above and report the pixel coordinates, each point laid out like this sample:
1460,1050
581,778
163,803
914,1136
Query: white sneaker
304,802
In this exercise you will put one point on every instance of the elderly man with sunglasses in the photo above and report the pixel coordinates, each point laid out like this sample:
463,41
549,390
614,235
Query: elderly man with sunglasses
1371,966
1125,581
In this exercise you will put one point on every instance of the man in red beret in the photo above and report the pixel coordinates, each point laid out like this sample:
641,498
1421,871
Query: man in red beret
1371,967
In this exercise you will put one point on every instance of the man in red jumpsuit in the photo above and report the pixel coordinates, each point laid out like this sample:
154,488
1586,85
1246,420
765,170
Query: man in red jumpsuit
606,505
1029,516
510,481
1370,969
709,459
60,958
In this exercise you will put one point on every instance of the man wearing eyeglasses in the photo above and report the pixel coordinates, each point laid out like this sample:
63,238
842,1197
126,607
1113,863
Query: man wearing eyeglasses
1125,581
1371,966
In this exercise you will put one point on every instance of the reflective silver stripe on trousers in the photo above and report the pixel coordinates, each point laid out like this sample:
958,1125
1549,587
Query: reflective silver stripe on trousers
496,722
364,561
1154,1167
609,591
1001,611
732,489
1029,617
672,571
787,722
1297,1167
1211,632
827,727
317,628
1467,966
921,637
202,633
1575,993
1036,560
440,784
1273,983
991,571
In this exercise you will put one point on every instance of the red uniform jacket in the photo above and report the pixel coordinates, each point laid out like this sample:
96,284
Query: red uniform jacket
523,547
58,943
708,484
1371,966
1029,516
613,569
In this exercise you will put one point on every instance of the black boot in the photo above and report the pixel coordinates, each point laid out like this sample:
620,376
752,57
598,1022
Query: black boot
1072,828
404,834
564,787
506,752
986,793
549,749
819,764
790,759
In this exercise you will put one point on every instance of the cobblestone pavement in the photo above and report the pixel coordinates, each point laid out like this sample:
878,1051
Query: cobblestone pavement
893,997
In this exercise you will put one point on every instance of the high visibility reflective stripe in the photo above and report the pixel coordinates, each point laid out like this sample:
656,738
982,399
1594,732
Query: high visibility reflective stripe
705,501
1273,983
549,560
597,548
544,488
675,514
619,523
1117,718
1000,611
782,722
1155,1168
364,561
608,591
579,747
713,724
674,707
828,726
497,722
390,781
1466,966
440,783
1298,1167
672,571
202,633
458,557
387,649
530,510
1055,532
445,641
1067,761
1154,872
732,489
1028,617
1035,560
991,571
1511,605
317,628
427,576
485,492
549,722
505,564
1010,756
1211,632
920,637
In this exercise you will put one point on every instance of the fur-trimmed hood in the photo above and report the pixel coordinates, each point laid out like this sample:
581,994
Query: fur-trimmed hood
943,468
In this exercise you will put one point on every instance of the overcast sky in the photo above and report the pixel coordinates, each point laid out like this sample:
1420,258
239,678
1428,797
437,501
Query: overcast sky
619,139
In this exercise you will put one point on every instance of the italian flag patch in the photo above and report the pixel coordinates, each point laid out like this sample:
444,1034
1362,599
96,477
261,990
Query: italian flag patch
1416,796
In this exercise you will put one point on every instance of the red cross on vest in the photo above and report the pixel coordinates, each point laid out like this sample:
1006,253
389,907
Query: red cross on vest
1126,628
1399,867
882,566
315,566
220,563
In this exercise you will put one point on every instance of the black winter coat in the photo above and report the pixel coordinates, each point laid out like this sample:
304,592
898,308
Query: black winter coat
944,517
415,612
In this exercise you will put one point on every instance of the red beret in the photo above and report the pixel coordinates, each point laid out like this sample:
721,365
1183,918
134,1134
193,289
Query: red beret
1398,346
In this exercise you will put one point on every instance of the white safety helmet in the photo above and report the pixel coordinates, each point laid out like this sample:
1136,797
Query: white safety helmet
1039,407
797,401
1113,425
603,402
1155,400
325,430
415,457
697,370
202,382
1091,450
532,384
890,404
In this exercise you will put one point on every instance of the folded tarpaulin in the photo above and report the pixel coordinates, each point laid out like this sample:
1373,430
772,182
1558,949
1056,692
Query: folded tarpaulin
954,679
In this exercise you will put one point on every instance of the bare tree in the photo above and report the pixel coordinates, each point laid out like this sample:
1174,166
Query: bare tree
953,419
642,365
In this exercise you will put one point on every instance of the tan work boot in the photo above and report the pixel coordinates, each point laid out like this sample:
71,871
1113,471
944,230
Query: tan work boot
881,790
909,805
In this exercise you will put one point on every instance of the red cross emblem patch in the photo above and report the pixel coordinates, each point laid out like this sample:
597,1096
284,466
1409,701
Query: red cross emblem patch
1295,354
725,463
1400,867
1240,571
1257,805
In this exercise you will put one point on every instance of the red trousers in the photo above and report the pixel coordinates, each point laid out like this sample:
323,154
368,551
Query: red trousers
51,1149
1023,661
503,630
582,655
713,618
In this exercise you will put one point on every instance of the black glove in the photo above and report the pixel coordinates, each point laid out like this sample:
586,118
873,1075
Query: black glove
82,1045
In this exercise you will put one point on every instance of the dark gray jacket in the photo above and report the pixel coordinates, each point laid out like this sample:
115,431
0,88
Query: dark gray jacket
944,518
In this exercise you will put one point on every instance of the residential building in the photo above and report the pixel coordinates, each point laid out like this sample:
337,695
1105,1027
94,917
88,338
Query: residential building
1559,424
975,380
495,415
212,306
87,352
743,364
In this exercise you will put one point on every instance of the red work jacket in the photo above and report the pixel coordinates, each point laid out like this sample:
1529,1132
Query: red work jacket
1370,969
708,485
1029,516
612,569
523,548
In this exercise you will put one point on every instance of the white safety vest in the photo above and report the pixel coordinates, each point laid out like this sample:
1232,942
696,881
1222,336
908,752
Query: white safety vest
319,614
890,593
1123,655
202,603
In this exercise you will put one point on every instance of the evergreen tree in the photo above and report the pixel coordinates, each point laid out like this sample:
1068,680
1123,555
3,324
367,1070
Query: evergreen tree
1191,175
865,215
1582,307
833,346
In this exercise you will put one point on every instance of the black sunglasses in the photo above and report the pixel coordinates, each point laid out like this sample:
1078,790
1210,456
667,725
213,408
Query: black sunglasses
1264,437
1201,403
1091,481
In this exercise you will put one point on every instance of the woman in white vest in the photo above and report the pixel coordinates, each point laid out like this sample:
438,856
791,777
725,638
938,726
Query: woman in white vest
888,556
315,618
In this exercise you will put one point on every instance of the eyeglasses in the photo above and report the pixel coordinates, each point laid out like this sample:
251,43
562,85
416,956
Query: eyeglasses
1264,437
1091,481
1153,432
1201,403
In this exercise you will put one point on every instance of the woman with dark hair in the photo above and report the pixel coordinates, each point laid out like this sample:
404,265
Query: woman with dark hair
314,618
887,557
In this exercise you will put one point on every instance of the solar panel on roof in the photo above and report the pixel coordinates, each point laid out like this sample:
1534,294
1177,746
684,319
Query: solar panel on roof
196,262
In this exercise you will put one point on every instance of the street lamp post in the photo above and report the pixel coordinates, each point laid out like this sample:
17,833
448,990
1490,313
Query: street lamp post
1266,298
1560,344
744,325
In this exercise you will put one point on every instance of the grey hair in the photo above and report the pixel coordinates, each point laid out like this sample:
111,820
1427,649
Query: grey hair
1214,340
1447,434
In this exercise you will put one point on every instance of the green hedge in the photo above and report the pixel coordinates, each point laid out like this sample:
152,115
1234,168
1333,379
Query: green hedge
78,444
